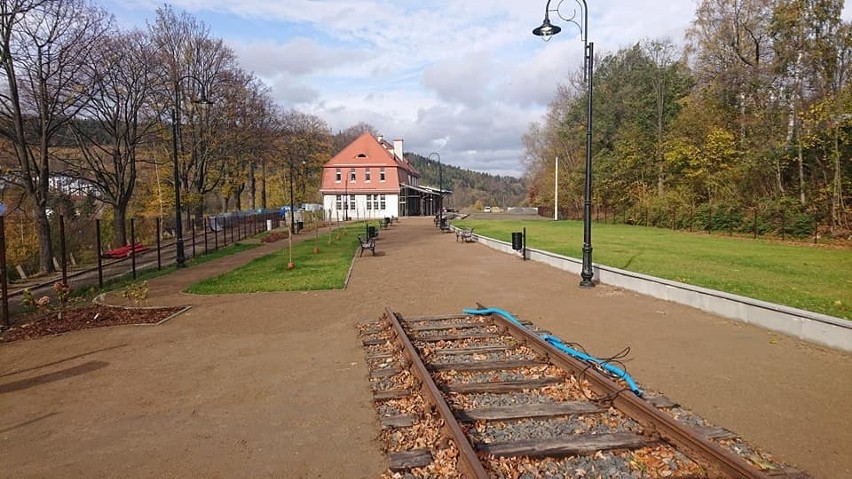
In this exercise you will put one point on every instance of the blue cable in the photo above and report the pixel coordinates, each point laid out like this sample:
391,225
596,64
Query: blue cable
558,344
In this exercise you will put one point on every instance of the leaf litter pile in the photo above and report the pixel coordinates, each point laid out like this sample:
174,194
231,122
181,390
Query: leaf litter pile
36,325
426,431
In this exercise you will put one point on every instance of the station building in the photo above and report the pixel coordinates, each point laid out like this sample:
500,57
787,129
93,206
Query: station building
371,178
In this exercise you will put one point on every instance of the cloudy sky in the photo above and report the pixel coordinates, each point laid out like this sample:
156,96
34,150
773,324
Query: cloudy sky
463,78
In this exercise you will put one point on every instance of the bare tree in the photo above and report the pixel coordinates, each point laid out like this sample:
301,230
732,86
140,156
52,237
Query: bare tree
46,48
305,145
116,120
193,64
343,138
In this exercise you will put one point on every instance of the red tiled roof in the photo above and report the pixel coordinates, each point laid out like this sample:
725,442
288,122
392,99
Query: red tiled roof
365,152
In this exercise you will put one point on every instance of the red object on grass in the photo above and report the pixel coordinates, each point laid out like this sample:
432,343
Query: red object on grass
125,251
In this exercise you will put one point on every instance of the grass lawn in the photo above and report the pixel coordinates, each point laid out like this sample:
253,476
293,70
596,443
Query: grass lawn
814,278
326,269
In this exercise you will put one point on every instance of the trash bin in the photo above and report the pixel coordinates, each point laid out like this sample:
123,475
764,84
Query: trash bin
268,225
371,232
300,225
517,241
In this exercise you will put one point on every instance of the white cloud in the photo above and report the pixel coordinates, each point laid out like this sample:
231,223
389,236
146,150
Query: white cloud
464,78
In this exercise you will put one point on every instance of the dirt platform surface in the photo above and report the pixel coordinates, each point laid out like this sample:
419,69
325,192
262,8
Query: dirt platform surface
275,385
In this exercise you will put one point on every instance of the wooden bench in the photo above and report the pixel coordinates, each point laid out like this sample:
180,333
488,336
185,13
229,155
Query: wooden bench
125,251
466,235
369,244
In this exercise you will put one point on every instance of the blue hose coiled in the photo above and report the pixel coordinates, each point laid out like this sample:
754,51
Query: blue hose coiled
558,344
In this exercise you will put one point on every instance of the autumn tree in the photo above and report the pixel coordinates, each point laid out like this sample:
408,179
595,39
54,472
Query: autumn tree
117,121
45,53
343,138
193,64
304,145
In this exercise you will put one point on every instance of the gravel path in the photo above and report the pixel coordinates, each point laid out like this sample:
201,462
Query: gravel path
275,385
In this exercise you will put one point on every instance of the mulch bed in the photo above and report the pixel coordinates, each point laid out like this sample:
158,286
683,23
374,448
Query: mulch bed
37,325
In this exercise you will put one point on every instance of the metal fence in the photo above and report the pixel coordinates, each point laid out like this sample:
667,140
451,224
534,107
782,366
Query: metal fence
86,254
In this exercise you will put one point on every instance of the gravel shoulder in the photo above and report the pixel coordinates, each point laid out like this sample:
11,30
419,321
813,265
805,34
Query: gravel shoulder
274,384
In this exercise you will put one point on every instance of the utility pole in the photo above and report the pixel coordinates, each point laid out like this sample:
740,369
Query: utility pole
556,191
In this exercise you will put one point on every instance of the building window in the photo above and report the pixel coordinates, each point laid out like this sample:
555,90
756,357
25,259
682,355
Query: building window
339,203
337,177
382,202
352,202
382,174
370,202
367,175
352,175
375,199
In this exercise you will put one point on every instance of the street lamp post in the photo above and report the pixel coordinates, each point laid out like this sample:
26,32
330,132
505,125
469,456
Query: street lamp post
180,257
440,186
4,284
546,30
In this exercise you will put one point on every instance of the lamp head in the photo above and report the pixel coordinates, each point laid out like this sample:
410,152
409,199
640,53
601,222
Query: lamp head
204,100
546,30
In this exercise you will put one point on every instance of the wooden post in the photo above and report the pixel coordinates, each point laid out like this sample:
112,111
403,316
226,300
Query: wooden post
62,250
100,258
4,283
159,257
133,248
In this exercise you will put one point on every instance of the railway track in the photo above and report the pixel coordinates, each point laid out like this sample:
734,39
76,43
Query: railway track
482,394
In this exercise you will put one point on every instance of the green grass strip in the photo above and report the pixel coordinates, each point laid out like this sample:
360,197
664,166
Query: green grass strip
324,270
813,278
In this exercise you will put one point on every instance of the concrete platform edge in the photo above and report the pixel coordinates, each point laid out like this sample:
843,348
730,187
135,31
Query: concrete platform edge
805,325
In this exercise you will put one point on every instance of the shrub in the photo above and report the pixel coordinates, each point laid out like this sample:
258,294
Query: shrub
274,236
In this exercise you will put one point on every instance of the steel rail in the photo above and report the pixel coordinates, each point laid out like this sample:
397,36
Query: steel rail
708,453
469,461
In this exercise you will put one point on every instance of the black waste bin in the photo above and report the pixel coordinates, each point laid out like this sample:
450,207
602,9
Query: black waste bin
517,241
371,232
300,225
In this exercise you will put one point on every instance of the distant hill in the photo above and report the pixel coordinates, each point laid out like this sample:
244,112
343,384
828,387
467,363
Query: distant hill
468,186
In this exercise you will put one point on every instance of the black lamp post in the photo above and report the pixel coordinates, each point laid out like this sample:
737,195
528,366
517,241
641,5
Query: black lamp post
440,186
546,30
4,290
180,257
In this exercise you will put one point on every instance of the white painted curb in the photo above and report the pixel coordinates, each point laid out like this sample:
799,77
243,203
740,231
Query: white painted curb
799,323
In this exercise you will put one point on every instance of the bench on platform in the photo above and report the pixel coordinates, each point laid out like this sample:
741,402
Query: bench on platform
125,251
369,244
466,235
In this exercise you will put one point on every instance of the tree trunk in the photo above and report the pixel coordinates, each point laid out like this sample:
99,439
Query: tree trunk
263,184
119,224
252,186
45,247
801,160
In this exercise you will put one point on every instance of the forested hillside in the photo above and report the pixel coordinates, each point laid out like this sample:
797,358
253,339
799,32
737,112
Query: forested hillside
747,127
470,187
